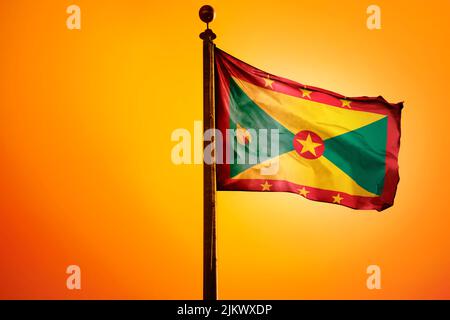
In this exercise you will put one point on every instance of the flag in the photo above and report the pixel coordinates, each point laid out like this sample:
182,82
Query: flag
329,147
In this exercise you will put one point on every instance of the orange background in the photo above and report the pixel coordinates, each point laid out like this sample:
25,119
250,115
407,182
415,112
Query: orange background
86,176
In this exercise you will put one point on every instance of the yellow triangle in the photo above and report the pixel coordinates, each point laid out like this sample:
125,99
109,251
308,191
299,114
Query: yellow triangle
318,173
297,114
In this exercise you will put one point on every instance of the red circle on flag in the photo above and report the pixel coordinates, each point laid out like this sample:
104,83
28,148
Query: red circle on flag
308,144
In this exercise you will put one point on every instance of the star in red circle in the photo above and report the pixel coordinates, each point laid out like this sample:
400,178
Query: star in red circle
308,144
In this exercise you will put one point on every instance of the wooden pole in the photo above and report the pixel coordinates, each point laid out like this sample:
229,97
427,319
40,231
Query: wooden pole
206,14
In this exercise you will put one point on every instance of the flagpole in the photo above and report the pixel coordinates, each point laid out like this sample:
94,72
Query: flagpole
207,14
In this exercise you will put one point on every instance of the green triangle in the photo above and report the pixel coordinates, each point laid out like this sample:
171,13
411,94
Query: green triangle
361,154
249,115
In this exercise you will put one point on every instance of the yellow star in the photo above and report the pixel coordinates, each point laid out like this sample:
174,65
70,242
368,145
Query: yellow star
309,145
337,198
266,186
306,93
268,82
346,103
303,192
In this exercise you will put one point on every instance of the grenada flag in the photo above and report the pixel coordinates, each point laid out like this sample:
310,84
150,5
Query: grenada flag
331,148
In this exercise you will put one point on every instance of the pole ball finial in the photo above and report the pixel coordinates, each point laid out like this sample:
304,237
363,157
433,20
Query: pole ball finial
207,14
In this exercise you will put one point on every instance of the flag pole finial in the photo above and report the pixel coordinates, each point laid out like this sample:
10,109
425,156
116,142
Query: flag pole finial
207,15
